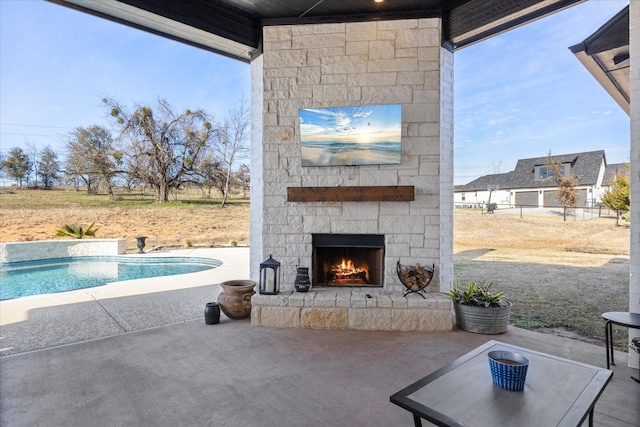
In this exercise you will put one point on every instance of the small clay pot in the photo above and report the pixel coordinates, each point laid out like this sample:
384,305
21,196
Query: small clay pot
235,298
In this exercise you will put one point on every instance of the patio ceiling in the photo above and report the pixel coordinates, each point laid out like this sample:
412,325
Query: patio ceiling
232,27
605,54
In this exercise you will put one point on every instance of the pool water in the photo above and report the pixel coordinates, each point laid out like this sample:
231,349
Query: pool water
19,279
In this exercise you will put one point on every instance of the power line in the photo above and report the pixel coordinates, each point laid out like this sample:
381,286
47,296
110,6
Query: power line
36,126
27,134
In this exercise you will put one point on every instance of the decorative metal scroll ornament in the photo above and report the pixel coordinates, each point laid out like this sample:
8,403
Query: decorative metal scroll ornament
414,277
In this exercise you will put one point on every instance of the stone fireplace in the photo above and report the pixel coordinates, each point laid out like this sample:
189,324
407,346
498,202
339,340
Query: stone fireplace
370,215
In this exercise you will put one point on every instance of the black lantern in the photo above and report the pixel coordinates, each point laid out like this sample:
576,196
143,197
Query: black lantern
269,277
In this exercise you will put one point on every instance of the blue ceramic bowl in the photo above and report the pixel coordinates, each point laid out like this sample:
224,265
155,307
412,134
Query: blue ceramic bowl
508,369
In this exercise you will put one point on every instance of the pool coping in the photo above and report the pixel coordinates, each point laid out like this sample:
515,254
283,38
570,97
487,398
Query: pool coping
42,249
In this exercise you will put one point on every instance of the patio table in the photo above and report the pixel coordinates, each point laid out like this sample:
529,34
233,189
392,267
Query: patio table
620,318
557,392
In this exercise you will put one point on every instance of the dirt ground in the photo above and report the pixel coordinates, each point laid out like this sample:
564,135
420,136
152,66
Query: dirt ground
504,237
560,276
163,226
541,235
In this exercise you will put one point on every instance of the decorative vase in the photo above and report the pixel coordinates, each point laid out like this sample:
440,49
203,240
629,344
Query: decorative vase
235,298
212,313
141,243
508,369
302,282
482,320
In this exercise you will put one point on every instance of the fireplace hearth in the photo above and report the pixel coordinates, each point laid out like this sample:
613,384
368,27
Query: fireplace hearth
348,260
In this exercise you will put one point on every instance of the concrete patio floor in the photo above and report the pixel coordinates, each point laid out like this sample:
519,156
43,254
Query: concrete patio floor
139,354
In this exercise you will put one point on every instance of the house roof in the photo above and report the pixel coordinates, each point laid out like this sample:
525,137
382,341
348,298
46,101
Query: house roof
584,165
233,27
613,170
605,54
499,181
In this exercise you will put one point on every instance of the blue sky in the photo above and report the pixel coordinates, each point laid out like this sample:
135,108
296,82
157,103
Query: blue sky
517,95
56,65
523,93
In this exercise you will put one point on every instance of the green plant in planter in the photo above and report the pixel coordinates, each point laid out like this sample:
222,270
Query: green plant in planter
479,310
477,295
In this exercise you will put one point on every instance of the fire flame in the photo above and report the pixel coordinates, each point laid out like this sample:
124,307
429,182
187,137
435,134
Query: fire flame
346,270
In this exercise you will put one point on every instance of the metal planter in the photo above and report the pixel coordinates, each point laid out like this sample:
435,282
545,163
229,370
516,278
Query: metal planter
482,320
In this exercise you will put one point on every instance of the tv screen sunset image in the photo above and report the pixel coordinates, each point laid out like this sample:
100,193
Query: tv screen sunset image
350,136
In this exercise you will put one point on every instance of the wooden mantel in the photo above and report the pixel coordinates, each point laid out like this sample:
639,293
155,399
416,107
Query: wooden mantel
384,193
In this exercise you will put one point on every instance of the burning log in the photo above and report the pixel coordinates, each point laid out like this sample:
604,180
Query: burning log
346,273
337,277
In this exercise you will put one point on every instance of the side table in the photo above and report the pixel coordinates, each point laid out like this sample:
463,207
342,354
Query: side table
621,318
558,392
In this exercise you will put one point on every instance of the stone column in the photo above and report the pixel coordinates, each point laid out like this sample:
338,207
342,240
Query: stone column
354,64
634,264
446,170
257,180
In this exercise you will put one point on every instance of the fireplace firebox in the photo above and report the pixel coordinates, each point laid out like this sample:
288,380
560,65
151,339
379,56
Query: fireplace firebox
348,260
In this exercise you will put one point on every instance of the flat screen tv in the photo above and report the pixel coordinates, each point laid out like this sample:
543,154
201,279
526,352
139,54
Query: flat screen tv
351,136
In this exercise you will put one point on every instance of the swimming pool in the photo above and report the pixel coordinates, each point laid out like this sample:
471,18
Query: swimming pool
19,279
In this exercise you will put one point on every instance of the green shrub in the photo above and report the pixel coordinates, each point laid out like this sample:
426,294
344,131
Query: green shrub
77,232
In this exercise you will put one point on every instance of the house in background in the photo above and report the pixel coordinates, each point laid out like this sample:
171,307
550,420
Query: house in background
530,184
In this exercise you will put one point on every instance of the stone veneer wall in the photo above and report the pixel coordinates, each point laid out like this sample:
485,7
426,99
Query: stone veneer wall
46,249
328,308
347,64
634,273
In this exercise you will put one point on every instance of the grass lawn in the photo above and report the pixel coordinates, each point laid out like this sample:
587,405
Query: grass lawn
560,276
190,220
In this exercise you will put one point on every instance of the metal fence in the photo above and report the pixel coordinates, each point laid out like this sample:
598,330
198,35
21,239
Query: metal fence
574,214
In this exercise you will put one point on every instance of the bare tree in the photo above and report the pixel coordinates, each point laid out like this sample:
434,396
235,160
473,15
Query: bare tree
231,142
567,194
496,167
212,173
79,169
160,147
48,167
242,177
34,154
92,158
17,165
